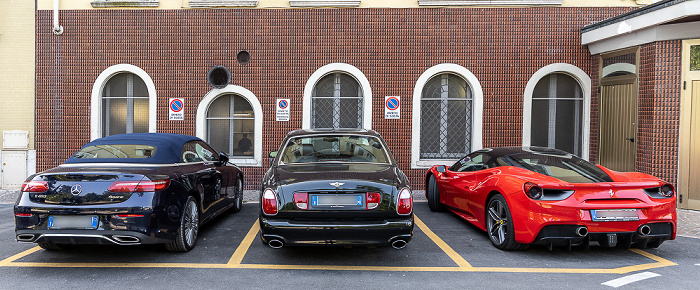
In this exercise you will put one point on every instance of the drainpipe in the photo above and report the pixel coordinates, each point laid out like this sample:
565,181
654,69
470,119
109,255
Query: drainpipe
57,29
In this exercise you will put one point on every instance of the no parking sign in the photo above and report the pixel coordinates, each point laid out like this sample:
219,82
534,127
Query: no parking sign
282,109
392,107
176,109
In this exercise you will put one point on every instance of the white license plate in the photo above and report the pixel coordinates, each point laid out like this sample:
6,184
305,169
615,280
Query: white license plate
614,215
336,200
73,222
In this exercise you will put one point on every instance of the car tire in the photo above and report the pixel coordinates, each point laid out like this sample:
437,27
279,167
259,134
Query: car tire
238,197
186,236
433,194
499,225
52,246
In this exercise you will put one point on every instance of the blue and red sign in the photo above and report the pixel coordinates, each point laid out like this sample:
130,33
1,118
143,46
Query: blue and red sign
392,107
392,103
176,105
283,104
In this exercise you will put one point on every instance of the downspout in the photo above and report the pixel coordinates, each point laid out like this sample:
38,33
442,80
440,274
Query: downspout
57,29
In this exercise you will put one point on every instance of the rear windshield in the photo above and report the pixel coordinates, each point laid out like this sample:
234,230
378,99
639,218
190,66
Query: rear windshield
334,148
116,151
567,168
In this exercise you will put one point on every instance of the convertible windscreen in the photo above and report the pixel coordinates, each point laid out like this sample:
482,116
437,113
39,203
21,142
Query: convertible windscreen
115,151
567,168
330,148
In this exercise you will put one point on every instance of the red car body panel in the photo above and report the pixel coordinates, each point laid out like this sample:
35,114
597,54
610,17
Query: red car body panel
466,194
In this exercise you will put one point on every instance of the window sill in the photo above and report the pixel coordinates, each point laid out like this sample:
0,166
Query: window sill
431,163
222,3
124,3
246,162
322,3
487,2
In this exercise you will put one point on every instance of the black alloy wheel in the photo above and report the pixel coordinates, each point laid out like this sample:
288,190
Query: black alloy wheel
188,230
433,194
499,225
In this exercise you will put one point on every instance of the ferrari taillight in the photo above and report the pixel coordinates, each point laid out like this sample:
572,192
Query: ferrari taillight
532,190
35,186
667,190
301,199
139,186
269,202
373,199
405,204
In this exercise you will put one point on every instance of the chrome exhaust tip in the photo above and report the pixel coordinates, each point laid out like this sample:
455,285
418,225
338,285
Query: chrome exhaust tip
126,239
275,244
644,230
25,237
399,244
582,231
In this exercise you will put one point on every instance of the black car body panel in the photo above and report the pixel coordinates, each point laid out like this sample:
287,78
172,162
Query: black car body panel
335,224
124,218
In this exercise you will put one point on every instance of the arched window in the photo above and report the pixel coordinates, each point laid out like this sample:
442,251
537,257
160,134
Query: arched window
230,120
556,109
445,118
337,95
231,126
124,105
336,103
447,115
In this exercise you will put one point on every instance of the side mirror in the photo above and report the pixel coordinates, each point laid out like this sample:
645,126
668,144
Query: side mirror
441,168
223,157
273,154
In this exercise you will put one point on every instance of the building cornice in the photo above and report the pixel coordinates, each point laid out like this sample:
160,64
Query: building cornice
124,3
222,3
488,2
324,3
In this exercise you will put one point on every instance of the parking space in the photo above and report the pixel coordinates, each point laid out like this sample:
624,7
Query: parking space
442,242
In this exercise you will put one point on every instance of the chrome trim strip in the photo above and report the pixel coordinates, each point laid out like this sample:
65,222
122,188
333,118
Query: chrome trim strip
85,236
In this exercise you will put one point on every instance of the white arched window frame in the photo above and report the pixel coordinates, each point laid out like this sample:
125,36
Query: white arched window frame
96,117
337,68
584,82
477,111
201,117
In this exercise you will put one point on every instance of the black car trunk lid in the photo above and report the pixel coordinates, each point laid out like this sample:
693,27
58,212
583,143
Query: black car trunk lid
82,188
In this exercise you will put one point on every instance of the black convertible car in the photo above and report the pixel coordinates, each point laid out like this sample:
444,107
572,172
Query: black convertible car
335,188
129,189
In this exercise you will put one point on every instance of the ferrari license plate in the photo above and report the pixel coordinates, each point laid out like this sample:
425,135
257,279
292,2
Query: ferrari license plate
73,222
336,200
606,215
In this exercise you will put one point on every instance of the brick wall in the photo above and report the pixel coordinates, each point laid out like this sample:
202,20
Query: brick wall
502,47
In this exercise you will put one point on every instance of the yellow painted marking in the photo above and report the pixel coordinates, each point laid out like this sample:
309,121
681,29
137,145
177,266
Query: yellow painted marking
242,249
18,256
461,262
237,258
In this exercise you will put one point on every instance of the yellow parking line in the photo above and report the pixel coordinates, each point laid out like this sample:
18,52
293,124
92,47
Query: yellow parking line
242,249
445,248
18,256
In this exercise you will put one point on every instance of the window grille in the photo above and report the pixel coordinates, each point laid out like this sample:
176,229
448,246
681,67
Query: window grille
557,110
124,105
337,103
446,118
230,126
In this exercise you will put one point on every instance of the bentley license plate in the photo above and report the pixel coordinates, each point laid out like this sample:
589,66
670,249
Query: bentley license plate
606,215
336,200
73,222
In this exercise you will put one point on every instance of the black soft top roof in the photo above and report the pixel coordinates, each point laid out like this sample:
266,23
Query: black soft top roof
168,147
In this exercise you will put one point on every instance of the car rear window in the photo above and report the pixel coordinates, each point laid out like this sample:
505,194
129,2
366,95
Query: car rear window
568,168
116,151
334,148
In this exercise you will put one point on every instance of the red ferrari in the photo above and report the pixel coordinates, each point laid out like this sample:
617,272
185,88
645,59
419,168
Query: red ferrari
533,195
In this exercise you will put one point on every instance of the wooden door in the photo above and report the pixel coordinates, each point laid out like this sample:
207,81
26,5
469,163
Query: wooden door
617,147
688,187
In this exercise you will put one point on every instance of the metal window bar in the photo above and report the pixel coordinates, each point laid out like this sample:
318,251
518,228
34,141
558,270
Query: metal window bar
446,104
337,103
551,126
232,118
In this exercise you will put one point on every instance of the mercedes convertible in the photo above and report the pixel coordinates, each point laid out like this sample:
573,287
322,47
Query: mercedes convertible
335,188
129,189
525,195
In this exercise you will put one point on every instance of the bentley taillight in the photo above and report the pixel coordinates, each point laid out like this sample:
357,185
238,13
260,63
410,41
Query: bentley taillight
405,204
373,199
139,186
301,199
269,202
35,186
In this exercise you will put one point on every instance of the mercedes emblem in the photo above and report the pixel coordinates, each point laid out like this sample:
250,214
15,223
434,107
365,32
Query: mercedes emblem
76,189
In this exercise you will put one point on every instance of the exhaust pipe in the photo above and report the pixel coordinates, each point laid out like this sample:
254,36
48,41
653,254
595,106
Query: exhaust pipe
275,244
126,239
582,231
25,237
644,230
398,244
